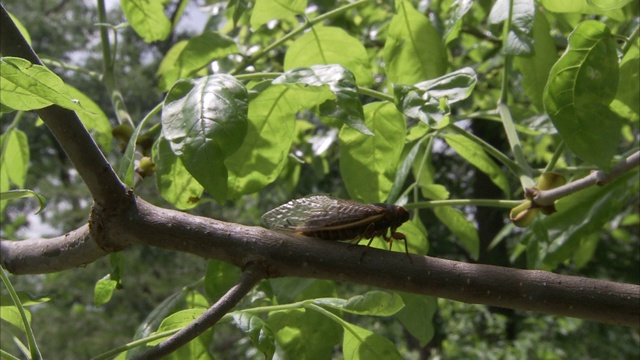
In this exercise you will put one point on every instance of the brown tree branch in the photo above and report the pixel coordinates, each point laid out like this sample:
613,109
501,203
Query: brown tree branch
105,187
249,278
284,255
42,256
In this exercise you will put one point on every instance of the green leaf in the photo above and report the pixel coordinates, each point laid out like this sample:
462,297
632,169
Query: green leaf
22,193
267,10
374,303
94,119
609,8
580,87
219,278
11,315
462,228
607,5
626,102
413,51
453,22
180,319
270,133
346,107
475,154
417,316
519,41
174,182
586,249
259,332
167,71
147,18
429,101
186,58
23,30
205,120
368,163
585,213
157,315
535,68
104,290
359,343
330,45
14,158
304,334
127,163
26,86
26,299
403,171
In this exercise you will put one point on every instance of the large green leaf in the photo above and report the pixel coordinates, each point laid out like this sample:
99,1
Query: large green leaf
413,51
609,8
94,119
535,67
267,10
14,156
220,277
417,316
330,45
519,40
475,154
258,331
368,163
375,303
429,101
184,59
147,18
462,228
626,102
582,214
271,130
359,343
581,85
174,182
346,106
205,120
453,22
22,193
304,334
26,86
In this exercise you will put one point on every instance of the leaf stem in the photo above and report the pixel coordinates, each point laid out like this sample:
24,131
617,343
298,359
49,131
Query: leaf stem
554,158
308,23
498,155
524,171
108,76
33,346
464,202
376,94
630,40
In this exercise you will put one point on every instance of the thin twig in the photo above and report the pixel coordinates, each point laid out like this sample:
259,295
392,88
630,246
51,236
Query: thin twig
250,277
548,197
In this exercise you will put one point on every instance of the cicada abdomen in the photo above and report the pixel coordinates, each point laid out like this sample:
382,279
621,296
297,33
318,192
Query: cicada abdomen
328,218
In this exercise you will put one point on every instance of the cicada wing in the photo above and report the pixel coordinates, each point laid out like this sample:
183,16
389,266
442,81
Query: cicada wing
318,212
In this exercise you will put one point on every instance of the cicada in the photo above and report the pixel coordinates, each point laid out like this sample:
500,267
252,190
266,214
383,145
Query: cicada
329,218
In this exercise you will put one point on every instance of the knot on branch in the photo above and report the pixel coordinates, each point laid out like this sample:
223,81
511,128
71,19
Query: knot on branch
106,222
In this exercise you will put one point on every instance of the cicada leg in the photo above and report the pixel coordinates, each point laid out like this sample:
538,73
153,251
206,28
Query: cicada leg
400,236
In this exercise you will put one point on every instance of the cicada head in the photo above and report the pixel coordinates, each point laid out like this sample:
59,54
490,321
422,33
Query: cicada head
394,215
